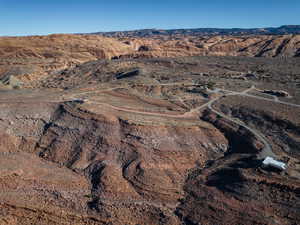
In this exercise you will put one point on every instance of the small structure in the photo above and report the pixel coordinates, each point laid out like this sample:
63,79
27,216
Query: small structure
79,100
270,162
131,73
278,93
251,75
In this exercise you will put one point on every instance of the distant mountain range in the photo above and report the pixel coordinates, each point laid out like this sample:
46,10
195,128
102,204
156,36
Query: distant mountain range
286,29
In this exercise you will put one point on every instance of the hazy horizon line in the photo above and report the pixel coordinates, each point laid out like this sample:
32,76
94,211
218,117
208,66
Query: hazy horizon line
153,28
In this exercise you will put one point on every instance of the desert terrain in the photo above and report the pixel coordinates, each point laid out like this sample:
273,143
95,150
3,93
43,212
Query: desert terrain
120,129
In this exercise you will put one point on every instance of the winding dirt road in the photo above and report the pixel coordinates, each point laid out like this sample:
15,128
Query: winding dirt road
267,150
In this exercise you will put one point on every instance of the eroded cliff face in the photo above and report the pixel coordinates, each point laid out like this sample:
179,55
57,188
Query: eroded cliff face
254,46
30,59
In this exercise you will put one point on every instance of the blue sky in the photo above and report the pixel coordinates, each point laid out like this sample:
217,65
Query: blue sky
30,17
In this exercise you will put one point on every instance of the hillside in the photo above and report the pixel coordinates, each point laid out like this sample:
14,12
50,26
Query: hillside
30,58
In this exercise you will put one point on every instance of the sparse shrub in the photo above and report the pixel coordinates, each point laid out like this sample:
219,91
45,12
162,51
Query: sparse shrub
211,85
88,196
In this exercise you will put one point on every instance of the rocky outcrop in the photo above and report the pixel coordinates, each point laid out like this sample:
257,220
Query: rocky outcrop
254,46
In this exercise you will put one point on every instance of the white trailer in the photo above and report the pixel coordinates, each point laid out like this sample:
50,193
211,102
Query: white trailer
270,162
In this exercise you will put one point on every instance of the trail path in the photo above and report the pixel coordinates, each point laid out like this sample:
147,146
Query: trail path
267,150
